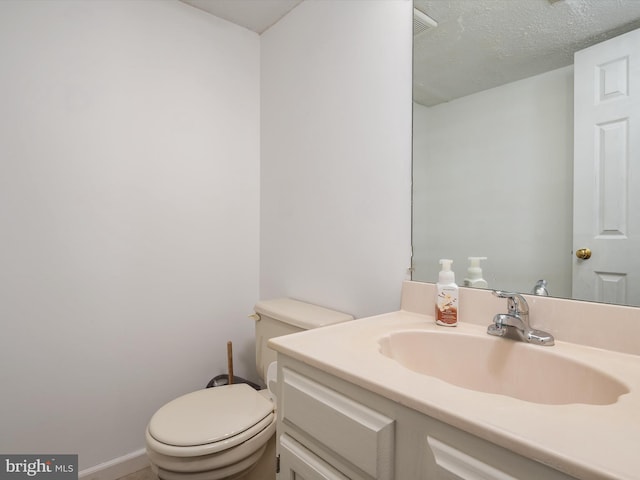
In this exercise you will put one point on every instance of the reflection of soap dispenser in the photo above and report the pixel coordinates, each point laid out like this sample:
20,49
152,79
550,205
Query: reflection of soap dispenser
446,296
474,274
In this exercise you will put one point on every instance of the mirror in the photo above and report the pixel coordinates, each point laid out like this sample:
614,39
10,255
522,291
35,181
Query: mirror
493,135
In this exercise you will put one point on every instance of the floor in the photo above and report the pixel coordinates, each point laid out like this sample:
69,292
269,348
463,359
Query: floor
144,474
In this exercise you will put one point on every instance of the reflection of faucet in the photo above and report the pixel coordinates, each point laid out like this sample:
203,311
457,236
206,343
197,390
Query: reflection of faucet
518,320
540,288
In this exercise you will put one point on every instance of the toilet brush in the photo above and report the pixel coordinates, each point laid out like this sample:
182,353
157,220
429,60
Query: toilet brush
228,379
230,361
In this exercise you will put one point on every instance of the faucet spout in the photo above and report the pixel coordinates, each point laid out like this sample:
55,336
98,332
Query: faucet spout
517,320
509,320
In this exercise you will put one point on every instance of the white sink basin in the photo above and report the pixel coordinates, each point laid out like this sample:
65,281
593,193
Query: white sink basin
496,365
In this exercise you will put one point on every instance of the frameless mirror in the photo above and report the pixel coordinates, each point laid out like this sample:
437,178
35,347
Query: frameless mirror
493,139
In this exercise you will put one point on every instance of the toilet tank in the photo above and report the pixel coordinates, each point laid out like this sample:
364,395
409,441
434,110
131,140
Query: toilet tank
283,316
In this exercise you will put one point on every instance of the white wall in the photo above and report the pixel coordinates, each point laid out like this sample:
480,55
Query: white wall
485,159
336,154
129,190
129,198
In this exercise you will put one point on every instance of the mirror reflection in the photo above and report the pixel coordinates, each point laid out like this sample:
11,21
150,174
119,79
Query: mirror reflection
500,111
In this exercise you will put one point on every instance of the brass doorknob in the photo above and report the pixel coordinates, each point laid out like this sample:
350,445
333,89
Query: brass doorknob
583,253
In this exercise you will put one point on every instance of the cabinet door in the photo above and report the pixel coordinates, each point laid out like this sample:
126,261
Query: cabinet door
299,463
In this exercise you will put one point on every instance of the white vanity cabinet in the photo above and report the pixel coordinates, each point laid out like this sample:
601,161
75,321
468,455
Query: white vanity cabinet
331,429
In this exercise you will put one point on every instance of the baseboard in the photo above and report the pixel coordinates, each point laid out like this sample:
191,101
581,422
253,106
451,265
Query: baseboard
117,468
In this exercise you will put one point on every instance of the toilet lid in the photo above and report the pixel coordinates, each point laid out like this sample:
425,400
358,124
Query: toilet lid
210,415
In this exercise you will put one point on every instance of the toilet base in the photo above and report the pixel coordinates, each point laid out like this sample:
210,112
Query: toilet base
260,466
265,468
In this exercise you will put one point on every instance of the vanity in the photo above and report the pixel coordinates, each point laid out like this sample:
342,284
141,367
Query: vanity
396,397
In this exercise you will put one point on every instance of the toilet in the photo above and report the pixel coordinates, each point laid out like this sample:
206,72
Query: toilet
228,432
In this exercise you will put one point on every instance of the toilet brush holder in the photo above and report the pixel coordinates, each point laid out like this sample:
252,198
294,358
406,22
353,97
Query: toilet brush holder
223,379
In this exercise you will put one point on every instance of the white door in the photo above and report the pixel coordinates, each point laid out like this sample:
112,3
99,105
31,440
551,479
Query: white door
607,171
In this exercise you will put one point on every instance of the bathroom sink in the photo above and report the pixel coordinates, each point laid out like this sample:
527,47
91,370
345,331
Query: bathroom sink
500,366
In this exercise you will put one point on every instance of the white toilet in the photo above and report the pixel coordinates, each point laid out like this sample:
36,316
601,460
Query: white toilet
228,432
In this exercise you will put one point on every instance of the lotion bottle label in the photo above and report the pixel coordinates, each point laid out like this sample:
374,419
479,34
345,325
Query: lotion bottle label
447,306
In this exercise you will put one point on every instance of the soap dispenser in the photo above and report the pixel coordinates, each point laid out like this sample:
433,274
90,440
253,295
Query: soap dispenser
446,296
474,274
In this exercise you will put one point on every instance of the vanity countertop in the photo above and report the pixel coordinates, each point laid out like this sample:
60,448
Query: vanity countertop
585,441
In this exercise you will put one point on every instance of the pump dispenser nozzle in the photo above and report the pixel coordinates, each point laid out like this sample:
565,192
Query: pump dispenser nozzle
474,274
446,275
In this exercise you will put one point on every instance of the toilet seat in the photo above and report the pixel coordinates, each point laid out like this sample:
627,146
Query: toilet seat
209,421
233,408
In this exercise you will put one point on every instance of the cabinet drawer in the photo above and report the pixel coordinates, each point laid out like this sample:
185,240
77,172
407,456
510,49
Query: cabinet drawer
298,462
347,428
462,465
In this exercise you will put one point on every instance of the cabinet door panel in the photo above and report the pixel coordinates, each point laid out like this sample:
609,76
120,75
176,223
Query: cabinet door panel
298,463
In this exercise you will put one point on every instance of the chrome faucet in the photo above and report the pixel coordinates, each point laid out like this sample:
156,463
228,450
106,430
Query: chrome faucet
517,320
540,288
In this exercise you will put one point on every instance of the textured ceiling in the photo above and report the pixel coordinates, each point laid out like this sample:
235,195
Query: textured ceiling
480,44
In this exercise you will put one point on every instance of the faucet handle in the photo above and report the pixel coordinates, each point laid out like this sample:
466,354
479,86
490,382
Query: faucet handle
515,302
